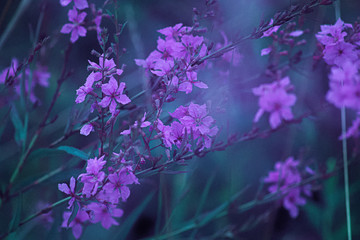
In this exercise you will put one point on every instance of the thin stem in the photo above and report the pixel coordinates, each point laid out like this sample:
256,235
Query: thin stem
344,148
346,174
41,125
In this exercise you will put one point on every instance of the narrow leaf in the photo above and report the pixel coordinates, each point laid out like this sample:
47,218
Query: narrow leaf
16,214
18,125
74,151
74,213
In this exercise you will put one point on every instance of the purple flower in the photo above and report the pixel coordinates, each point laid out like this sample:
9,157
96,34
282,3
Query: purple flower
340,53
75,28
77,223
162,67
117,185
83,91
10,71
86,129
106,67
79,4
285,175
197,119
69,190
150,61
191,78
271,30
174,32
332,34
142,124
104,214
354,130
113,93
275,100
170,49
93,176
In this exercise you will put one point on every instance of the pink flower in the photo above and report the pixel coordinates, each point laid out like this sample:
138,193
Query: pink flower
104,214
69,190
77,223
79,4
75,28
114,93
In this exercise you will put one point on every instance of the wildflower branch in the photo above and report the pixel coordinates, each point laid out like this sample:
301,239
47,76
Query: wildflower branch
221,146
280,18
63,76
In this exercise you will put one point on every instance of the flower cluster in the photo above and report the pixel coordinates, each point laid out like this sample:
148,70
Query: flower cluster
173,58
112,92
283,180
193,121
77,17
342,54
104,190
275,99
32,78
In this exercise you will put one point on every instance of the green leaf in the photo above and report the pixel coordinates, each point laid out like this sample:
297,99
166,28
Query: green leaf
16,214
75,152
73,214
18,125
126,226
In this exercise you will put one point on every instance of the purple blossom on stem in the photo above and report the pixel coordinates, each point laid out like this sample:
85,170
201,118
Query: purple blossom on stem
142,124
332,34
75,27
191,78
77,223
69,190
93,176
83,91
340,53
197,119
117,185
104,214
175,32
86,129
275,100
105,67
9,71
285,175
271,30
79,4
113,93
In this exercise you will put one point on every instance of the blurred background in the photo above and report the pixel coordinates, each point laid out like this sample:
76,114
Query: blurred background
163,203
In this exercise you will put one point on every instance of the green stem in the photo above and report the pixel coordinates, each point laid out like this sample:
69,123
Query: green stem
346,174
344,148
